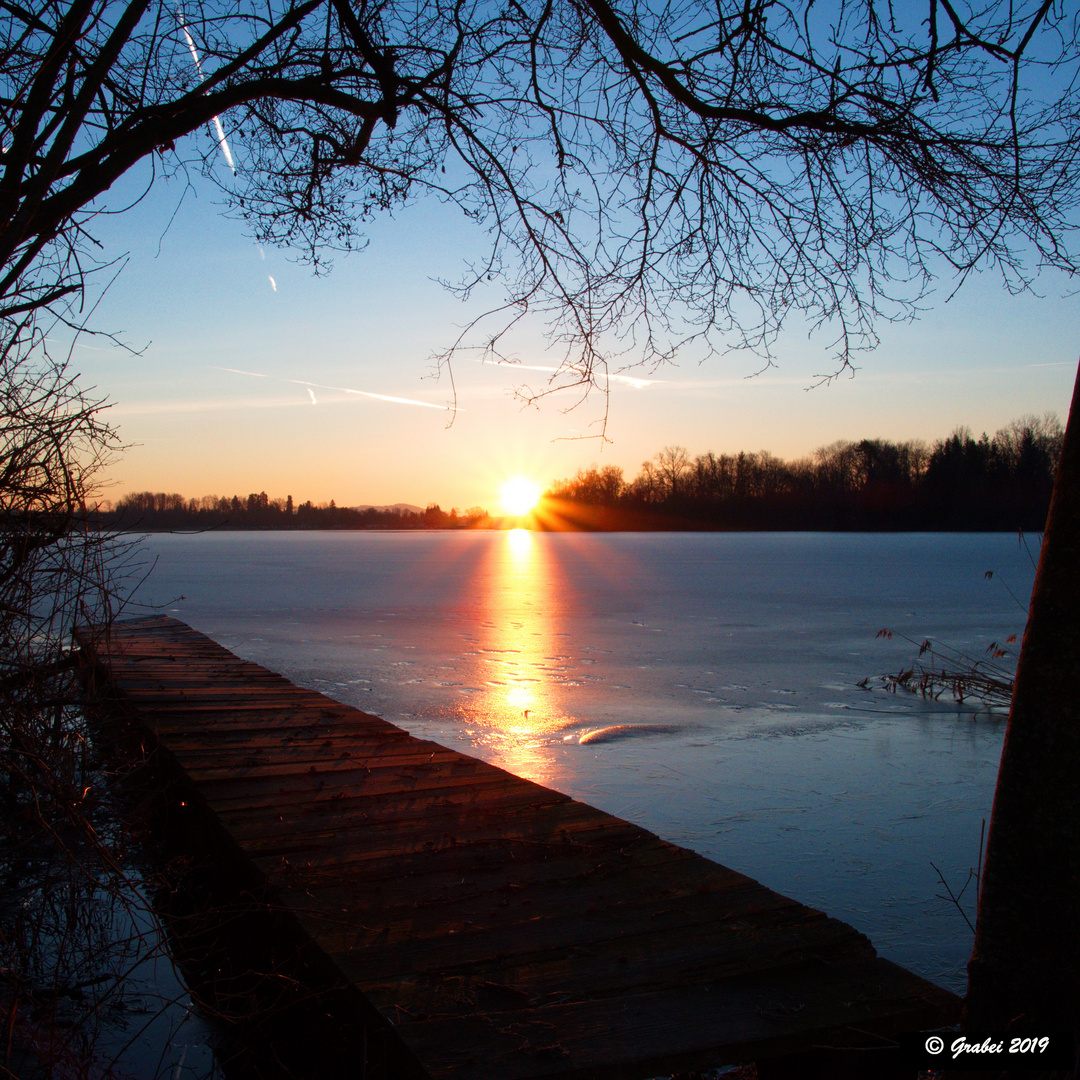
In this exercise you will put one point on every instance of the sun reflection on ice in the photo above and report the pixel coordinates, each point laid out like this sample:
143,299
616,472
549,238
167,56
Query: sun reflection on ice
520,706
520,542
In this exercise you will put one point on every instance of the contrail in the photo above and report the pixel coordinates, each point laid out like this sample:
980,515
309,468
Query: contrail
678,384
238,371
222,141
339,389
630,380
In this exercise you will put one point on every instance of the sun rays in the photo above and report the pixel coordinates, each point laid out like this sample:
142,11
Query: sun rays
519,496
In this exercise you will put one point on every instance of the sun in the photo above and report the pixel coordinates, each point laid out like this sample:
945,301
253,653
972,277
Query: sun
519,495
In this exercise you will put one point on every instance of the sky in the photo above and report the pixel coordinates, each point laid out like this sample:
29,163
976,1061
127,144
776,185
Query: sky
251,374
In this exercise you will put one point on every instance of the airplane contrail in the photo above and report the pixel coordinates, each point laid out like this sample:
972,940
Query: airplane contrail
222,141
339,389
630,380
670,384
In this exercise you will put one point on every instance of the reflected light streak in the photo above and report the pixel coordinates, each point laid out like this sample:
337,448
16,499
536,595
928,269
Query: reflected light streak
521,649
519,541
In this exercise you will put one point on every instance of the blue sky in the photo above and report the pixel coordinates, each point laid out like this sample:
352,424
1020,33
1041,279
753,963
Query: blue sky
198,297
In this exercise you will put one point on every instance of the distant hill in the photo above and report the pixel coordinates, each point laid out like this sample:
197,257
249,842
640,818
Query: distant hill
401,508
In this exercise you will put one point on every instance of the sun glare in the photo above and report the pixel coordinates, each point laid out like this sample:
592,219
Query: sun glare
519,495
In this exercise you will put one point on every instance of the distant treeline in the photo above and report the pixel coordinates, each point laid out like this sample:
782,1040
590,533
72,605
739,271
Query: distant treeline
961,482
156,511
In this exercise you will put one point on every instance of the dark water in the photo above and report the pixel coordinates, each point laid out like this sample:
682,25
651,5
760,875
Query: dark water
701,685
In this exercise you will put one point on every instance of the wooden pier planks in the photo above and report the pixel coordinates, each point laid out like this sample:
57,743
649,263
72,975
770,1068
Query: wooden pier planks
506,930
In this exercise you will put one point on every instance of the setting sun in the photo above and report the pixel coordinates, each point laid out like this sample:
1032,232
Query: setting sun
519,495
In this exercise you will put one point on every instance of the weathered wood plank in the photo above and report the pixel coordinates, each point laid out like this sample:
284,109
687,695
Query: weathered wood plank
762,1014
507,930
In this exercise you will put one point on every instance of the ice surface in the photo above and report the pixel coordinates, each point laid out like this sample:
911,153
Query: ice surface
701,685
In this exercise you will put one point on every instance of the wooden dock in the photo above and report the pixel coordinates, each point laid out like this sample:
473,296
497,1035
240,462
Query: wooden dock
505,930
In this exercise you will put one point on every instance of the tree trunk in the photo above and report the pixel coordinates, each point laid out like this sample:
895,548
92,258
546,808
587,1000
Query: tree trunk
1024,973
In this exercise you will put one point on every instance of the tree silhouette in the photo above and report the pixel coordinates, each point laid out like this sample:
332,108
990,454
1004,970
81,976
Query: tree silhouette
663,171
651,174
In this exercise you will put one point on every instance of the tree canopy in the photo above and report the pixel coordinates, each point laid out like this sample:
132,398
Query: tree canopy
1000,482
650,173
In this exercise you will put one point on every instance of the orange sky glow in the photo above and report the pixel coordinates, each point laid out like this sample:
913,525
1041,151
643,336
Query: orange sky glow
247,373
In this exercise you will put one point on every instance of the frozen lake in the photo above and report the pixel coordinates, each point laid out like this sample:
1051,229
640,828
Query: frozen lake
701,685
